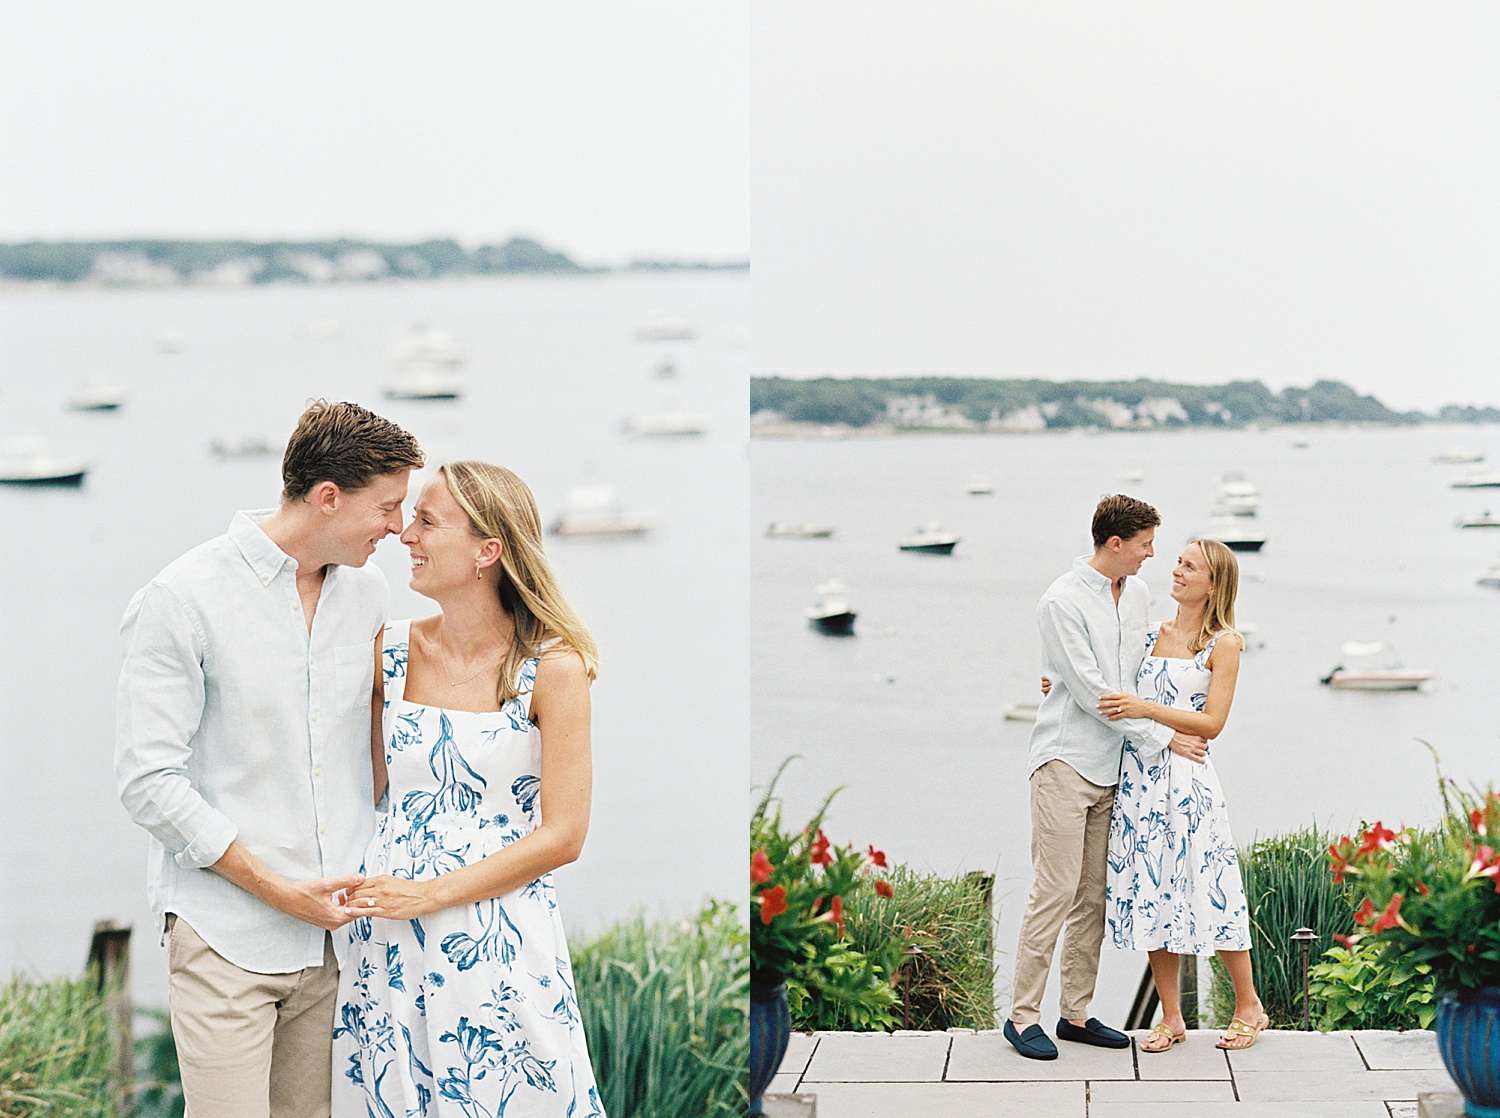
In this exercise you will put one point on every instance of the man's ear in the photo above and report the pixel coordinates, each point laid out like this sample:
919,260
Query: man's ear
325,497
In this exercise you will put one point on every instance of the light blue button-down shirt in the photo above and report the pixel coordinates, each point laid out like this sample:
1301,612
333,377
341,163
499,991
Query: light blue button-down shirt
235,722
1089,646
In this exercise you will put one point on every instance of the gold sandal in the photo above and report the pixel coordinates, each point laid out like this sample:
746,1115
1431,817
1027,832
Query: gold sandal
1160,1032
1240,1028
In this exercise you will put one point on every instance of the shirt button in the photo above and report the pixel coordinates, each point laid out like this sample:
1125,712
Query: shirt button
317,772
322,830
315,716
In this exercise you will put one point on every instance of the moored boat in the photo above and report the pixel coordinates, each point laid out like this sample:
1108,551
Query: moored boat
671,424
1233,535
832,614
1343,679
96,394
1458,454
980,485
1483,520
779,531
1477,479
595,510
28,462
931,540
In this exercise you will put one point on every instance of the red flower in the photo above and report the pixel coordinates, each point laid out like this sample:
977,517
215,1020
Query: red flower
1365,912
1422,889
877,858
1377,837
1339,853
1476,817
1347,941
772,903
820,855
1485,864
760,868
883,889
837,910
1391,916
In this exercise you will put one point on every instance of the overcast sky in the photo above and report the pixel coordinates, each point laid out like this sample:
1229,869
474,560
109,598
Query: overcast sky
1273,190
607,129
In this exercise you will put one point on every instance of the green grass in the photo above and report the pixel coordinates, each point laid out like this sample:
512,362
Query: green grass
54,1050
1288,885
666,1010
950,983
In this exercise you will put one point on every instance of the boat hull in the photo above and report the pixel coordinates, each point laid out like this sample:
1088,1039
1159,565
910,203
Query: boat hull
930,548
834,624
71,480
1244,545
1378,681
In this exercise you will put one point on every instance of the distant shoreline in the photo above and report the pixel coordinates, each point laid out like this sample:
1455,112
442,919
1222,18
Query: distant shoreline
834,432
153,263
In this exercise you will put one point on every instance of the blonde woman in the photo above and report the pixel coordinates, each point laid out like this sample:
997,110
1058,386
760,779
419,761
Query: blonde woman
1174,879
457,998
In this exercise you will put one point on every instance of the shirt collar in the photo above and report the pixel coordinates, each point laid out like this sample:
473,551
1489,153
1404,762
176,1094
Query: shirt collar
265,558
1091,578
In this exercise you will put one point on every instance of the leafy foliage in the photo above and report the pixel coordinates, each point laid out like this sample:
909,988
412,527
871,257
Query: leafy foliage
158,1078
54,1049
666,1010
1354,988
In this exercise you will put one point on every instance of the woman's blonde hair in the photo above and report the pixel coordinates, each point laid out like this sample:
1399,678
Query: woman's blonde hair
499,505
1224,576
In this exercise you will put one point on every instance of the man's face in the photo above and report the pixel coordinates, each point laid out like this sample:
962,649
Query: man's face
1136,550
364,517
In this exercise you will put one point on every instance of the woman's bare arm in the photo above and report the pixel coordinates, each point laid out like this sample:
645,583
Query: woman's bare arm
1223,662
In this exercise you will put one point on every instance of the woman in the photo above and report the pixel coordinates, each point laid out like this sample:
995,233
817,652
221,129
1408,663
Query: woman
457,998
1174,880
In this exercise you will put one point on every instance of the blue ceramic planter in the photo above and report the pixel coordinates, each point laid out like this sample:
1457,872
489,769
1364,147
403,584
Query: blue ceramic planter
1468,1034
770,1028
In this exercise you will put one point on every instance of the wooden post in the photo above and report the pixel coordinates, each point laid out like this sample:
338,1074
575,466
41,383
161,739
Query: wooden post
1187,985
109,958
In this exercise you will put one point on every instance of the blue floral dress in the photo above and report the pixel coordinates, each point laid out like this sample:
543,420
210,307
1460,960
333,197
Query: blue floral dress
1174,876
469,1011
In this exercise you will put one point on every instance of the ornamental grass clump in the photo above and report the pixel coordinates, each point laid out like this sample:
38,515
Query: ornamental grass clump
800,886
665,1008
54,1049
1431,899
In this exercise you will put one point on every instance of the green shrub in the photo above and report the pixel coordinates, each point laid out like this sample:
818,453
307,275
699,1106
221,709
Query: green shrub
54,1049
1288,886
1355,989
949,980
666,1010
158,1078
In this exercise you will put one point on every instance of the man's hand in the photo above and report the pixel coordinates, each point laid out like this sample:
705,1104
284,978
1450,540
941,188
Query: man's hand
393,898
319,902
1046,687
1195,749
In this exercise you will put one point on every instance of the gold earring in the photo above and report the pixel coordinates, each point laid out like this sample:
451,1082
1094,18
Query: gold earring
477,573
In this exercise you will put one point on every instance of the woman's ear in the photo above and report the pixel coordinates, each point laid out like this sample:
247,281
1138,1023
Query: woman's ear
489,552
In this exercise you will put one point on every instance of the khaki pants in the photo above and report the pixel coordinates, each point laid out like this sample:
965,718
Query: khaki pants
250,1045
1069,844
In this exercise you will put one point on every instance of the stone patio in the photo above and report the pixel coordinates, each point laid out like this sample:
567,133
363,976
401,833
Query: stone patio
966,1074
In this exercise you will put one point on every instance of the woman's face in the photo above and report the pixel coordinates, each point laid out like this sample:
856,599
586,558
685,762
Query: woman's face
443,548
1190,581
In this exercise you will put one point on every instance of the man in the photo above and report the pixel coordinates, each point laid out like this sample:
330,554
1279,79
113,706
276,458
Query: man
243,747
1093,626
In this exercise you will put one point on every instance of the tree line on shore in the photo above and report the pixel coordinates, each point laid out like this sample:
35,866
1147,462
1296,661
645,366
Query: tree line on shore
969,403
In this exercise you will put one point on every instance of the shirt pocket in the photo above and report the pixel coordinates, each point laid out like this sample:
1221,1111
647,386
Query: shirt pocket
354,677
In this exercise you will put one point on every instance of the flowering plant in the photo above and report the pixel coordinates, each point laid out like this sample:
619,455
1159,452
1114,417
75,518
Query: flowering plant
799,884
1431,899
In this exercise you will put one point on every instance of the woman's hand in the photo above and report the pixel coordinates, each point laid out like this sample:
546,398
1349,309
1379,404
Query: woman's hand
1117,704
391,898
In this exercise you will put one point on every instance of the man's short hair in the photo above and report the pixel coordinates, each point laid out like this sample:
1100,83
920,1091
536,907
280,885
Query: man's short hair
1119,515
345,444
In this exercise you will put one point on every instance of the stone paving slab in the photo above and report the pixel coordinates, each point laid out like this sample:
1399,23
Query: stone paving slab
799,1050
1399,1051
1437,1104
877,1058
788,1106
953,1100
1198,1057
1158,1091
989,1058
1331,1086
1363,1109
1297,1051
783,1083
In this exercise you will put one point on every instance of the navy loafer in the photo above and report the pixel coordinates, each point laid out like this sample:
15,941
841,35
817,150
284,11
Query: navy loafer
1034,1043
1093,1031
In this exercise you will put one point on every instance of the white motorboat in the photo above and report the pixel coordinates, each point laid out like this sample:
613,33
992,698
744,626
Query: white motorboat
1021,712
1230,532
1133,476
832,614
427,362
1483,520
931,539
595,510
1301,444
1235,496
28,462
804,531
1458,454
666,330
670,424
1477,479
96,394
1490,578
980,485
1391,678
243,446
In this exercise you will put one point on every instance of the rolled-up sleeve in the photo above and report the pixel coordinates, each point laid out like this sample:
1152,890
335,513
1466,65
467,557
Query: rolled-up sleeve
1068,651
159,706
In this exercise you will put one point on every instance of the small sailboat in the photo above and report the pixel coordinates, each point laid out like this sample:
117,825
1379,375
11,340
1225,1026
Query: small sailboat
27,461
832,614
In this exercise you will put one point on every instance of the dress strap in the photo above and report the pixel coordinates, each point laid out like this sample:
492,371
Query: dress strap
1209,647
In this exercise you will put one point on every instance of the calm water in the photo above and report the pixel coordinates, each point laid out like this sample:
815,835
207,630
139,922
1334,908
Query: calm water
907,715
552,370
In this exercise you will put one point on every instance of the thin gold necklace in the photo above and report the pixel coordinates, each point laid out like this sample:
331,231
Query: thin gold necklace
447,671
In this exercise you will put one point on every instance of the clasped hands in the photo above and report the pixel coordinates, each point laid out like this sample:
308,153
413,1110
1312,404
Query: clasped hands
1115,705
